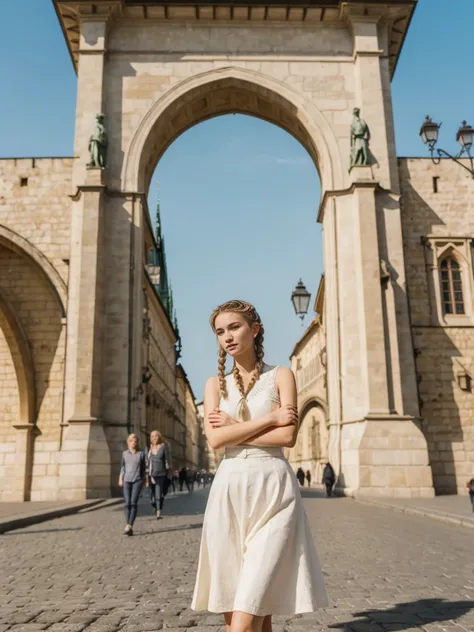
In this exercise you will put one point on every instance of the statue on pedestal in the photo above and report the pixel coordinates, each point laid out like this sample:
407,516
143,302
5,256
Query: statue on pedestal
360,136
98,145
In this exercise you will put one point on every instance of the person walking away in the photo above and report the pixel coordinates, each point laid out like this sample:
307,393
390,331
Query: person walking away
300,476
329,478
308,477
257,555
470,487
159,467
132,477
175,481
183,478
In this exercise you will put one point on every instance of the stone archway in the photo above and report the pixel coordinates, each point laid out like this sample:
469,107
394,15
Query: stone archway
13,241
19,472
224,91
311,449
155,74
21,346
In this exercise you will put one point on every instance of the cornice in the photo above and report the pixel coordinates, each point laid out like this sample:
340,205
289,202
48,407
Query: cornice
397,14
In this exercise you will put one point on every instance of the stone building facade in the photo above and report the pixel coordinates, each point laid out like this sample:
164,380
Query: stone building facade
85,372
437,218
438,229
35,234
308,362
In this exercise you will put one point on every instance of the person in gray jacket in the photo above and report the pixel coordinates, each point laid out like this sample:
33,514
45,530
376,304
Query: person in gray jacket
159,468
133,474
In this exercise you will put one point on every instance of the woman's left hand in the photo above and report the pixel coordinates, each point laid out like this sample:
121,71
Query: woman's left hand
218,418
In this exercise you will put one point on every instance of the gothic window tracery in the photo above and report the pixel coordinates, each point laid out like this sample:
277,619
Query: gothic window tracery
451,286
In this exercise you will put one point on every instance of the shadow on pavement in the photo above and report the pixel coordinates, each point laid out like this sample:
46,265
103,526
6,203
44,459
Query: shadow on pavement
33,531
405,616
176,528
307,492
180,504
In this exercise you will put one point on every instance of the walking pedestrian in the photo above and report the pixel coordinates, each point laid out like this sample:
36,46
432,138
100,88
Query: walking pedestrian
183,478
308,477
470,487
175,480
132,477
300,476
257,556
329,478
159,467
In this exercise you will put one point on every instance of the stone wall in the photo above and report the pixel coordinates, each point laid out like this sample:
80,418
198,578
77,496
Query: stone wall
438,219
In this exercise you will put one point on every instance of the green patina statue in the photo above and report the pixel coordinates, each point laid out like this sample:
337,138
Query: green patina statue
360,136
98,144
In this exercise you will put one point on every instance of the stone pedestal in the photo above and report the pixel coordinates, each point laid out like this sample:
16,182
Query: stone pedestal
84,469
385,456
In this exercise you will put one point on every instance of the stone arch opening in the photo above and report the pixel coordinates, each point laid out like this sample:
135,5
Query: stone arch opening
226,91
22,360
311,449
18,244
32,313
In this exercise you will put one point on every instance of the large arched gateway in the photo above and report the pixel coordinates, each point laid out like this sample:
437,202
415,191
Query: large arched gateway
154,69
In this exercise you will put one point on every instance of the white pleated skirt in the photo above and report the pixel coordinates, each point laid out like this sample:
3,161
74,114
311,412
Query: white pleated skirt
257,552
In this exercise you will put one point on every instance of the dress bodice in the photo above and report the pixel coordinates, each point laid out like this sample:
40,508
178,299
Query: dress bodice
262,399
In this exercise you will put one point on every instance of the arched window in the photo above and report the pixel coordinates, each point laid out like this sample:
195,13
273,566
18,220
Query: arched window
451,287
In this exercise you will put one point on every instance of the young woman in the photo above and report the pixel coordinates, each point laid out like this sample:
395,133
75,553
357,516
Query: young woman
132,478
257,555
159,467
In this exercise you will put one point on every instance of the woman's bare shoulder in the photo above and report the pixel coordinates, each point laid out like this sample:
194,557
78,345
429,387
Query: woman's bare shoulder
284,373
212,385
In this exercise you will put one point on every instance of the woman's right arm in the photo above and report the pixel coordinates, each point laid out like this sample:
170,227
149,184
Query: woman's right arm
168,464
234,434
122,472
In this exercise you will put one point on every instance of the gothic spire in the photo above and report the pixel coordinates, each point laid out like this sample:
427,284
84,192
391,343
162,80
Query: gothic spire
158,219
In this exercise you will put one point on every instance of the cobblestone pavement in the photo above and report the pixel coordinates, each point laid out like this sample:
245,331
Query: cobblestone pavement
385,571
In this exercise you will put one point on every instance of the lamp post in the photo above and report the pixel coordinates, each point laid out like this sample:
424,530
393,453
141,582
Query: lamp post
429,133
300,298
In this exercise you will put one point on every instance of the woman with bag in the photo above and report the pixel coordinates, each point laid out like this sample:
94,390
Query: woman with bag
159,466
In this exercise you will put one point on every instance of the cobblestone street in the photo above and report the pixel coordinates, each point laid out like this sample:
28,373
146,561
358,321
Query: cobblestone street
384,570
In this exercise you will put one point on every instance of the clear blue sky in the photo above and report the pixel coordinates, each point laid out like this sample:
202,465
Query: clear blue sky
239,196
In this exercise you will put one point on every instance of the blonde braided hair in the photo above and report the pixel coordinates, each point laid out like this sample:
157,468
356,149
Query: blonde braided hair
251,315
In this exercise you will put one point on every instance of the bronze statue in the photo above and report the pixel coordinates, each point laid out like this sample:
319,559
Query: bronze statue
360,136
98,144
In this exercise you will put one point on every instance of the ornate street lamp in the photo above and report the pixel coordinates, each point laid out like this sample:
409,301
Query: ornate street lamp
429,133
300,298
464,138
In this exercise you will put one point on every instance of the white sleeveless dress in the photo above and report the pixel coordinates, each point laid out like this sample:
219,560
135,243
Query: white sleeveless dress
257,553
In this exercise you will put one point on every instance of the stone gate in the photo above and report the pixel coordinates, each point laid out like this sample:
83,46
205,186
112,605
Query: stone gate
154,69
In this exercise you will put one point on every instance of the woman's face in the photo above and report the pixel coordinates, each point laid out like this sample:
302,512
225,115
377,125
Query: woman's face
132,443
154,438
234,334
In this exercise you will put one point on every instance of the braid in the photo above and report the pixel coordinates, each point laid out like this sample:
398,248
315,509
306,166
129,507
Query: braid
239,381
259,366
251,316
221,373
